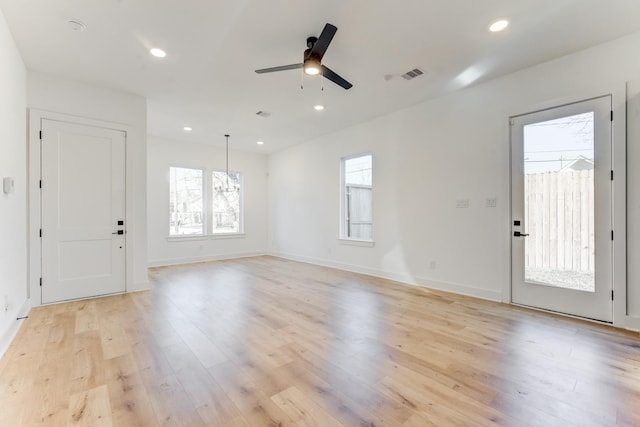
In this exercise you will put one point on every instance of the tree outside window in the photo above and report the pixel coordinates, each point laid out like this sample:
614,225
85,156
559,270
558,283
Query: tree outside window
186,214
227,202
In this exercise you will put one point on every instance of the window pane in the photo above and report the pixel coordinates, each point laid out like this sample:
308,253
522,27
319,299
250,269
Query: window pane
358,221
226,202
559,202
186,215
358,170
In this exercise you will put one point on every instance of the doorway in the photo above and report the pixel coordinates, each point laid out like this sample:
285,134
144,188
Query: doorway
82,190
561,181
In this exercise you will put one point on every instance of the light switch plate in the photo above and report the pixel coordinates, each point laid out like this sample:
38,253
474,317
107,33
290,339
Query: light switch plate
462,203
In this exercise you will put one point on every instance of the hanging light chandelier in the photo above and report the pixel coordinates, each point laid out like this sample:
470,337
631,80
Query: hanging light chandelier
227,187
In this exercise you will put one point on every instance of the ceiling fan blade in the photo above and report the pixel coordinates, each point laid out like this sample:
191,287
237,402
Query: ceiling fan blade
280,68
320,47
331,75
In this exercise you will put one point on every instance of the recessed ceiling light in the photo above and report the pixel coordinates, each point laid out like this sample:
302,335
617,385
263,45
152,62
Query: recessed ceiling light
260,142
318,107
187,129
499,25
158,53
76,25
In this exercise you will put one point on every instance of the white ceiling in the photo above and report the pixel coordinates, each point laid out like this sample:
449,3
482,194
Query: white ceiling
207,80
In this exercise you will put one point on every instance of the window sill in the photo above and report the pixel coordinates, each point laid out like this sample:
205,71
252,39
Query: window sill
186,238
355,242
227,236
192,238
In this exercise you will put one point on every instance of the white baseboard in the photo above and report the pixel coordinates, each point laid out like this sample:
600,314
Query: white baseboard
633,323
139,286
193,260
10,334
399,277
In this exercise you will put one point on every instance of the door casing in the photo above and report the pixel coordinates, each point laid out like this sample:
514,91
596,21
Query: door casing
618,91
35,117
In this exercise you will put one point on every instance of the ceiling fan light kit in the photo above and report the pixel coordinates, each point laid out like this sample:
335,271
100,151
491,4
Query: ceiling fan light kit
312,66
312,59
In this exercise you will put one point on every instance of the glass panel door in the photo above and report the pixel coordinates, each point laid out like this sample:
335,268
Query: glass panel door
561,209
559,202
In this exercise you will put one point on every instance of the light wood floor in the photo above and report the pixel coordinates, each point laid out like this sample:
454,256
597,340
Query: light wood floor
269,342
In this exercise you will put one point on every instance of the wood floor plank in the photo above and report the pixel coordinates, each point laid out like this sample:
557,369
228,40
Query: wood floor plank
302,410
265,341
90,408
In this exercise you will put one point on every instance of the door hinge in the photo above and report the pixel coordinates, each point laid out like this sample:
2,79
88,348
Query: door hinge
40,183
41,281
611,115
611,234
612,295
611,175
41,232
40,135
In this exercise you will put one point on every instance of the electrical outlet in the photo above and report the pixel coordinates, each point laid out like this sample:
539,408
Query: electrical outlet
491,202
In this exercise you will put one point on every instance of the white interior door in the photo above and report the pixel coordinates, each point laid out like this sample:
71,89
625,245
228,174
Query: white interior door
83,211
561,209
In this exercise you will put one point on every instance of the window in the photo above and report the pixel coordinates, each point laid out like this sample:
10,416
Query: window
227,203
186,215
357,181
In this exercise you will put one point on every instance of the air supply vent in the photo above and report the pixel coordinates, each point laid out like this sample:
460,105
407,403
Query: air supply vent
412,74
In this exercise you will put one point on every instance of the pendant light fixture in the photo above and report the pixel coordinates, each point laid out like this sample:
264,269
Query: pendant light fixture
227,188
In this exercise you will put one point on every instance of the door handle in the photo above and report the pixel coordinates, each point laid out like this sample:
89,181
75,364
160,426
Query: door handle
119,232
519,234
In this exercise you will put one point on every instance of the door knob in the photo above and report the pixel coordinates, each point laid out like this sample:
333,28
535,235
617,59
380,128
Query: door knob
519,234
119,232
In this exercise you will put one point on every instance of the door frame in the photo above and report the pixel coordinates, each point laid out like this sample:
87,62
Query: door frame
619,190
597,304
34,119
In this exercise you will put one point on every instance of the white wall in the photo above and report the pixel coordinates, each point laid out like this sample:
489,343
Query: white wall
426,157
48,95
164,153
13,207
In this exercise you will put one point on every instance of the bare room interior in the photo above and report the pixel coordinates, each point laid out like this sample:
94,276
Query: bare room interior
336,213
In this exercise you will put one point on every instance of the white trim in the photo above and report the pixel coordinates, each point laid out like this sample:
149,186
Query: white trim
35,117
206,258
398,277
187,238
342,224
618,92
356,242
205,200
196,237
240,203
633,323
7,338
619,215
222,236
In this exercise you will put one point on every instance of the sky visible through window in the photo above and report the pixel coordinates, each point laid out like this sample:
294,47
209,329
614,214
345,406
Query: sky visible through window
555,144
357,171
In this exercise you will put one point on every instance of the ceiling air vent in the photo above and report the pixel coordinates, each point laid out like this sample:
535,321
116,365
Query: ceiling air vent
412,74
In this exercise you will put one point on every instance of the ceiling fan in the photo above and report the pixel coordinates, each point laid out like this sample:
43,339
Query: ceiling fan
312,60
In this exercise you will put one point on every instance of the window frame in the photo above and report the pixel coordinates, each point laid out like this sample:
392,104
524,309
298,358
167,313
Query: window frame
343,238
210,212
205,203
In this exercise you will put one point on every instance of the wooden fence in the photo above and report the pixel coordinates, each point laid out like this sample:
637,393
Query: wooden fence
359,215
559,217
